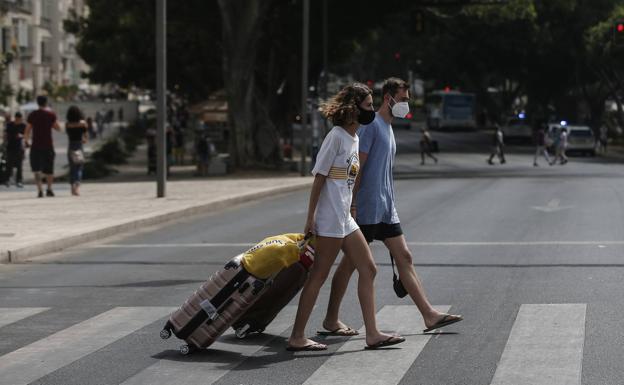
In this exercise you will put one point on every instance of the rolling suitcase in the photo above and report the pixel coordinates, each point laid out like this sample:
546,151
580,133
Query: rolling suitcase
214,306
230,292
283,289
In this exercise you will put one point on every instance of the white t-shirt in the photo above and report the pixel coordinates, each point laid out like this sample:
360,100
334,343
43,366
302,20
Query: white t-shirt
338,160
563,139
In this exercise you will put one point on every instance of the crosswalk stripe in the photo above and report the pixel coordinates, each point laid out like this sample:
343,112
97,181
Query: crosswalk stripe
166,372
545,346
42,357
8,315
353,365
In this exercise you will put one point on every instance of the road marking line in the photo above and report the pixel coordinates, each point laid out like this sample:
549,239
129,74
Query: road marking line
160,245
351,364
186,371
42,357
247,245
8,315
545,346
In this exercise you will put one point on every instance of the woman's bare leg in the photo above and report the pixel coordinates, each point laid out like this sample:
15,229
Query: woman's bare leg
326,251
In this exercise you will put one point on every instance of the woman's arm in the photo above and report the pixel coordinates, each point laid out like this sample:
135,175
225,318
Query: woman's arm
317,185
85,132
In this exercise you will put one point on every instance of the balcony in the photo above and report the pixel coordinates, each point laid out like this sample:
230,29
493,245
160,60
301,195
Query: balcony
25,6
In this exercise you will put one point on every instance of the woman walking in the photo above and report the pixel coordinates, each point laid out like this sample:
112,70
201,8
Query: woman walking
329,217
77,133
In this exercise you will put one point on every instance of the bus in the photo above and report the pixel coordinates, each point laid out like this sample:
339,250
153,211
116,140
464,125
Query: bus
450,109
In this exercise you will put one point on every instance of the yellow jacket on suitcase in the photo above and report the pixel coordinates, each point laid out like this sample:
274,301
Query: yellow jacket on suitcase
273,254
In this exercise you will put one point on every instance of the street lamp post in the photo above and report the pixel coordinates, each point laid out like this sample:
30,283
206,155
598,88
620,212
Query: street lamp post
161,90
304,86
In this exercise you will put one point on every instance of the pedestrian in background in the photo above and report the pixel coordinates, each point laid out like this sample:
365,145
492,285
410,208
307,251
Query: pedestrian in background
39,127
77,135
179,149
540,144
499,146
562,145
375,211
90,128
205,151
150,137
603,138
14,140
99,121
426,146
337,166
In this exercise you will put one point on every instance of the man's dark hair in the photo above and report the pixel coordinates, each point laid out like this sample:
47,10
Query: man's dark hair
42,100
18,114
74,115
392,86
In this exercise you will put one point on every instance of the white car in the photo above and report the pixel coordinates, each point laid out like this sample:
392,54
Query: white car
517,129
581,139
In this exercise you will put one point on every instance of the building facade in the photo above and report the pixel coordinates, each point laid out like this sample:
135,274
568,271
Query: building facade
36,50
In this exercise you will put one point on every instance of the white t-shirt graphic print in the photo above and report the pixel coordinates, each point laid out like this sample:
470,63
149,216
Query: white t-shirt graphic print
338,160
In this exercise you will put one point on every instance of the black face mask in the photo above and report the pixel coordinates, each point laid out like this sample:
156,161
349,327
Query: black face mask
365,116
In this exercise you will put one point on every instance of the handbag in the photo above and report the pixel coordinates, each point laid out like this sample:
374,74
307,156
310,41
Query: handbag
77,156
399,290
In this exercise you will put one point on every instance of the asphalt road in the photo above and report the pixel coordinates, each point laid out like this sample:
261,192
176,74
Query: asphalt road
532,257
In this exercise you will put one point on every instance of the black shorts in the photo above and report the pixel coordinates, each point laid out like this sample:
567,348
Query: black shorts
42,161
381,231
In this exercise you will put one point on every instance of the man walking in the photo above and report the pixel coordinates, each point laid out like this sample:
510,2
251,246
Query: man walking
376,214
426,144
540,144
14,139
40,125
499,144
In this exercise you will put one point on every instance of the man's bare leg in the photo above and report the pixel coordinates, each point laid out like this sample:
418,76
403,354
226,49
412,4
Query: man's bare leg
407,274
38,180
50,180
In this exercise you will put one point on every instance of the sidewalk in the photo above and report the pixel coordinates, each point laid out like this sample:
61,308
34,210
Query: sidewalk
32,226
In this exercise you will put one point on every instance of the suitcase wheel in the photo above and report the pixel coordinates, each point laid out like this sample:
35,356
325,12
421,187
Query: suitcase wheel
186,349
241,332
165,334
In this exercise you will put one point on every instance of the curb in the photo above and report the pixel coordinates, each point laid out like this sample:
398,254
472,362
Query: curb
21,254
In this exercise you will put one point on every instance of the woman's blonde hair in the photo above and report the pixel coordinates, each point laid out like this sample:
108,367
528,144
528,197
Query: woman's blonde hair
342,108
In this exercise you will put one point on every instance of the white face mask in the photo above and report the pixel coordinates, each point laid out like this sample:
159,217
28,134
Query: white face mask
400,109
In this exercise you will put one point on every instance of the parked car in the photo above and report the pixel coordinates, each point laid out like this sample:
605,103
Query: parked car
581,139
517,129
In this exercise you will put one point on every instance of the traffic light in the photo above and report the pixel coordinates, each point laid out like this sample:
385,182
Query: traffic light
618,33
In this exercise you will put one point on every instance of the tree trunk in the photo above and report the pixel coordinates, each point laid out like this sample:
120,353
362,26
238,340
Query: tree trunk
242,21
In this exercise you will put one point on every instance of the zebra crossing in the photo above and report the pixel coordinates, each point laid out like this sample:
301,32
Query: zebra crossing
544,347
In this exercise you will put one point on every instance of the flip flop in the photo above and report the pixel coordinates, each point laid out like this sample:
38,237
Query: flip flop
445,321
343,332
392,340
313,347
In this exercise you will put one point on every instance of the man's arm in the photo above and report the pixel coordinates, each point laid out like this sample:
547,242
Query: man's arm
27,132
56,126
356,186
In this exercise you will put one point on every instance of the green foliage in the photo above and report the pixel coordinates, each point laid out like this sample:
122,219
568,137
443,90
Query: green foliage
117,40
555,52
